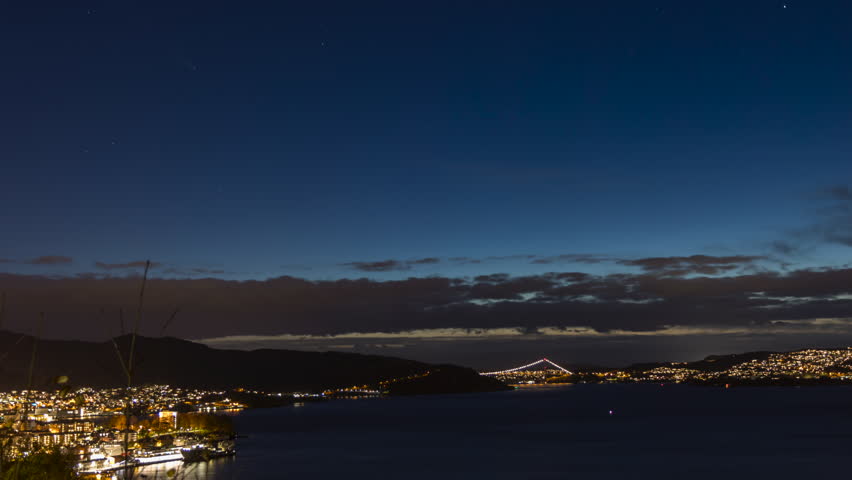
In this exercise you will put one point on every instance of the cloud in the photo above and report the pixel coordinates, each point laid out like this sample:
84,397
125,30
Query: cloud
584,258
524,256
425,261
648,301
817,325
659,304
836,226
193,272
839,192
391,265
208,271
91,275
571,258
785,248
700,264
490,348
465,260
509,288
493,278
432,334
571,276
380,266
137,264
832,223
50,260
695,264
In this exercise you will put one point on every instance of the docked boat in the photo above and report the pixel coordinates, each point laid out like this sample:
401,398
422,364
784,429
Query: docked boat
161,456
202,454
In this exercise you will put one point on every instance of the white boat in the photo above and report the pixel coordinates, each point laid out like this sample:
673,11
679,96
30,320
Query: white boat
159,457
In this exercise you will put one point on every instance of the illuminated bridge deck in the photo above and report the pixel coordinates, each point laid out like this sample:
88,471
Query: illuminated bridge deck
529,373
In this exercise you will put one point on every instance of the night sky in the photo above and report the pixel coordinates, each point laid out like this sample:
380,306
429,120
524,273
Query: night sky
478,182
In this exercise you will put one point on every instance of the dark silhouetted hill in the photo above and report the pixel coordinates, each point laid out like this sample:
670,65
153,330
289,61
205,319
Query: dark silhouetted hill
446,379
711,363
188,364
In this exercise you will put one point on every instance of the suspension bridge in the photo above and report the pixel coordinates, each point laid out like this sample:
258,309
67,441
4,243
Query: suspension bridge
527,373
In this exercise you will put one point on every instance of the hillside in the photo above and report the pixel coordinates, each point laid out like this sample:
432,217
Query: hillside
183,363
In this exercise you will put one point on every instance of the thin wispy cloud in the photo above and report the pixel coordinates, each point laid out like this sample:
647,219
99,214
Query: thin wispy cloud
390,264
136,264
50,260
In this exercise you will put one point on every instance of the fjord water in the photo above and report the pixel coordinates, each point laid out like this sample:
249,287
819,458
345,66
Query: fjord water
654,431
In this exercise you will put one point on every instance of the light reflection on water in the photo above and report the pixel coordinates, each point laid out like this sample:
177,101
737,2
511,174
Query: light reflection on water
217,469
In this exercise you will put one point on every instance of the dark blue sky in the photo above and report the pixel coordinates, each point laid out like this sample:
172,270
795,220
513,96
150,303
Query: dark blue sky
254,136
246,140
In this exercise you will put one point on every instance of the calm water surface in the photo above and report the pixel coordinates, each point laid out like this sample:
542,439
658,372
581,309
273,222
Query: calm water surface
553,433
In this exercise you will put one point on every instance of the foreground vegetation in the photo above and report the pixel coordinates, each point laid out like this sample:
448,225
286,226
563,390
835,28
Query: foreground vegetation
53,464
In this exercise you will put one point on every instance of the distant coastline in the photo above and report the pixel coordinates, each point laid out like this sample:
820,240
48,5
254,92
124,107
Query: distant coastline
812,366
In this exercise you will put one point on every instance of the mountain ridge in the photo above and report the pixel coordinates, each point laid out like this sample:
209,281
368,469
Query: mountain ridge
178,362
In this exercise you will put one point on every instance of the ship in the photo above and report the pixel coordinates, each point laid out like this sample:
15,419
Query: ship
201,453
